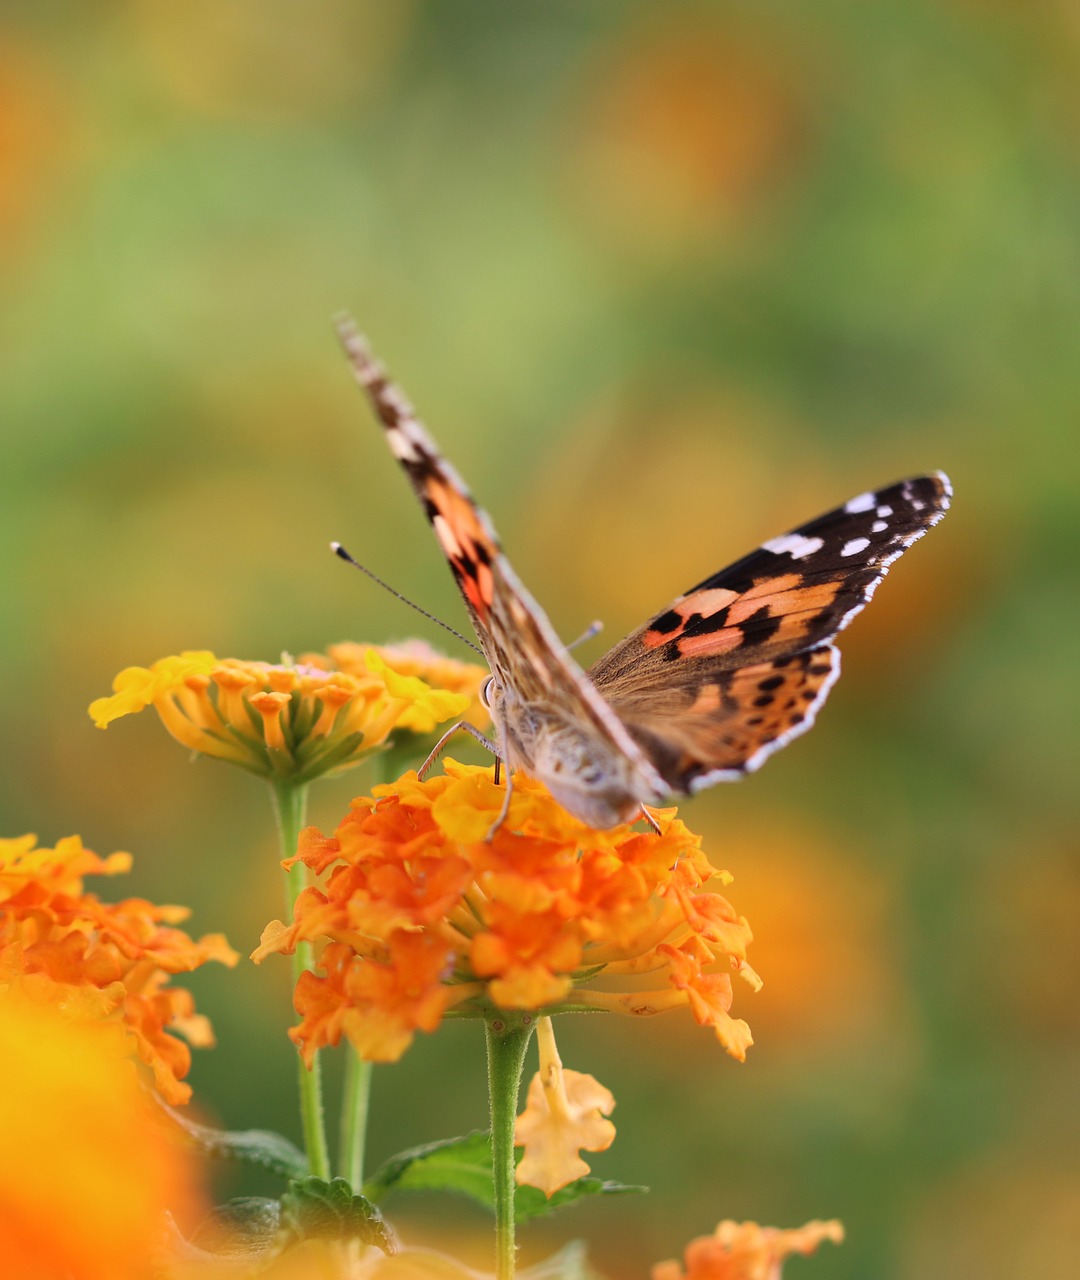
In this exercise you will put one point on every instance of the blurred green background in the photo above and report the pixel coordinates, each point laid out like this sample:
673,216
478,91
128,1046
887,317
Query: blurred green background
665,280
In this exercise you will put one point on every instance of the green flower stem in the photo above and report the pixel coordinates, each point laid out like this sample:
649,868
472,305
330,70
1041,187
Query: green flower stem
356,1096
507,1039
290,806
354,1116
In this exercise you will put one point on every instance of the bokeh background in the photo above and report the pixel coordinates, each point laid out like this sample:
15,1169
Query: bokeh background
665,280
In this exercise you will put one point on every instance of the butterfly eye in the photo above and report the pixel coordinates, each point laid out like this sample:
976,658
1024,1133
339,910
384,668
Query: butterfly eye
485,691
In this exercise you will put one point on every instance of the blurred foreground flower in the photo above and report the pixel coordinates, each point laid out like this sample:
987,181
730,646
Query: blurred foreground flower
99,961
419,916
334,1260
289,722
745,1251
87,1172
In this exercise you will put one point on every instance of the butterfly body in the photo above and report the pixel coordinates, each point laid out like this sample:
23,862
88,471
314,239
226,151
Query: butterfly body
704,691
599,781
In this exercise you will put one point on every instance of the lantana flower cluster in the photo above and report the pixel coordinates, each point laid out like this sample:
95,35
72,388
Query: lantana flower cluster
98,961
418,916
290,721
417,659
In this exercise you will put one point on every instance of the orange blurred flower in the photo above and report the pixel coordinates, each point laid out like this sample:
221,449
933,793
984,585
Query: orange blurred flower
39,136
690,128
284,721
745,1251
94,960
564,1114
418,916
88,1170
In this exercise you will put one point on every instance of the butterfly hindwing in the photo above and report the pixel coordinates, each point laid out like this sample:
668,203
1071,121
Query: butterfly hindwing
720,724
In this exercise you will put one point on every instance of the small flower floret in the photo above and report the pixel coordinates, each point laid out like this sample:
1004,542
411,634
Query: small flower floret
746,1251
565,1113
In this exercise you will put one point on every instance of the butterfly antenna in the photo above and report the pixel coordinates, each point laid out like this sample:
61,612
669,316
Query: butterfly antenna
593,629
340,551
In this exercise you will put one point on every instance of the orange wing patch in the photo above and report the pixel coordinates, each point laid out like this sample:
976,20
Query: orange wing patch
716,620
463,538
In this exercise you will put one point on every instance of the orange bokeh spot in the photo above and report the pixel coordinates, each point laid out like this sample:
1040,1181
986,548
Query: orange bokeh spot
88,1172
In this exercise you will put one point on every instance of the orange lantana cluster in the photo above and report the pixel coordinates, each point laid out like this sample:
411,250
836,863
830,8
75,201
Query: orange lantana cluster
418,915
288,721
62,946
746,1251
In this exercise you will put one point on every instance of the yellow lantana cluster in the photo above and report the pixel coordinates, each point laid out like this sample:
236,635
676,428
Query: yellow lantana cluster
98,961
418,915
288,721
412,658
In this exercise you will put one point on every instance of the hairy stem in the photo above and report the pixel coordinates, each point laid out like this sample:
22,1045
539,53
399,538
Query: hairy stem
507,1039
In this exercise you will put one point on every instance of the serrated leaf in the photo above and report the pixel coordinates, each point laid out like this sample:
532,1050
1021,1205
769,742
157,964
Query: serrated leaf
330,1210
260,1147
464,1165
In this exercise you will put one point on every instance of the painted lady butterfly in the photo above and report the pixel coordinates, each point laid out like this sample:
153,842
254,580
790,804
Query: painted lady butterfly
704,692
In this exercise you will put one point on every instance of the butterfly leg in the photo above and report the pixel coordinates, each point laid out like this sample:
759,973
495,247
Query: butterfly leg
509,791
469,728
651,820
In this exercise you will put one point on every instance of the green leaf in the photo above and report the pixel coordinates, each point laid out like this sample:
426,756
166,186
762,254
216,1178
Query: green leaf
312,1207
530,1202
464,1165
252,1146
244,1228
452,1164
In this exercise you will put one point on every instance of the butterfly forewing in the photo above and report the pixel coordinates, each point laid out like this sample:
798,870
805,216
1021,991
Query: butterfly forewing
789,594
530,664
687,681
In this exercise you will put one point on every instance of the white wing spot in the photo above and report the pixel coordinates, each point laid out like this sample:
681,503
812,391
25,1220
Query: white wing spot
879,526
401,446
884,511
863,502
856,545
917,504
795,545
447,538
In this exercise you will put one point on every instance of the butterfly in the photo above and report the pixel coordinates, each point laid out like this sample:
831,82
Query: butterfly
703,692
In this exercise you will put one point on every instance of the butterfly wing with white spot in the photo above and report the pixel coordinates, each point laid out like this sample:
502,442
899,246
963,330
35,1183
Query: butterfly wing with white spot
687,677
